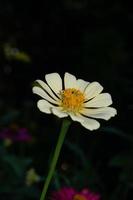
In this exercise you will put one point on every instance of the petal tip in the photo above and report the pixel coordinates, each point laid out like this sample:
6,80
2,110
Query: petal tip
113,113
96,127
34,89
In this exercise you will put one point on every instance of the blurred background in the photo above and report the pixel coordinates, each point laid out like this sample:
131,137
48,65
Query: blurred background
89,40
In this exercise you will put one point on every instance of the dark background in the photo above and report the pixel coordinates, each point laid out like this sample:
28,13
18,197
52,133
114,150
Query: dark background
89,40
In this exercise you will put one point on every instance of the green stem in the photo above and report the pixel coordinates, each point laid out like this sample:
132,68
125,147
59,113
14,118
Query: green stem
65,125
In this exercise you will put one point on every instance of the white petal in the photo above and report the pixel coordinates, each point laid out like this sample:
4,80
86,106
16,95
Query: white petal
43,94
82,84
102,100
47,89
54,81
92,90
70,81
90,124
44,106
102,113
57,111
76,118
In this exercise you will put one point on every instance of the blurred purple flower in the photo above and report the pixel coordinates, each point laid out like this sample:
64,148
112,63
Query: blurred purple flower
19,134
72,194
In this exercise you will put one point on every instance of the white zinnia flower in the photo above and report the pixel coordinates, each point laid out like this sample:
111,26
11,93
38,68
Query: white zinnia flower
76,98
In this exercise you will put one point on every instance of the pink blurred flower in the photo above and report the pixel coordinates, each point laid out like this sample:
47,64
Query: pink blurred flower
18,134
72,194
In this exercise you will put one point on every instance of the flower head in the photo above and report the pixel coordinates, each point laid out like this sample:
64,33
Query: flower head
76,98
72,194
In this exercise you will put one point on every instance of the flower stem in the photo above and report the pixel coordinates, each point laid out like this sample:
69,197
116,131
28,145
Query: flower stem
65,125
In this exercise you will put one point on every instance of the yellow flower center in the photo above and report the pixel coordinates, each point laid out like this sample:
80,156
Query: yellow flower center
72,100
79,197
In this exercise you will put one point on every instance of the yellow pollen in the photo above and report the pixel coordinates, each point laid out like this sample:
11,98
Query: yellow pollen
79,197
72,100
